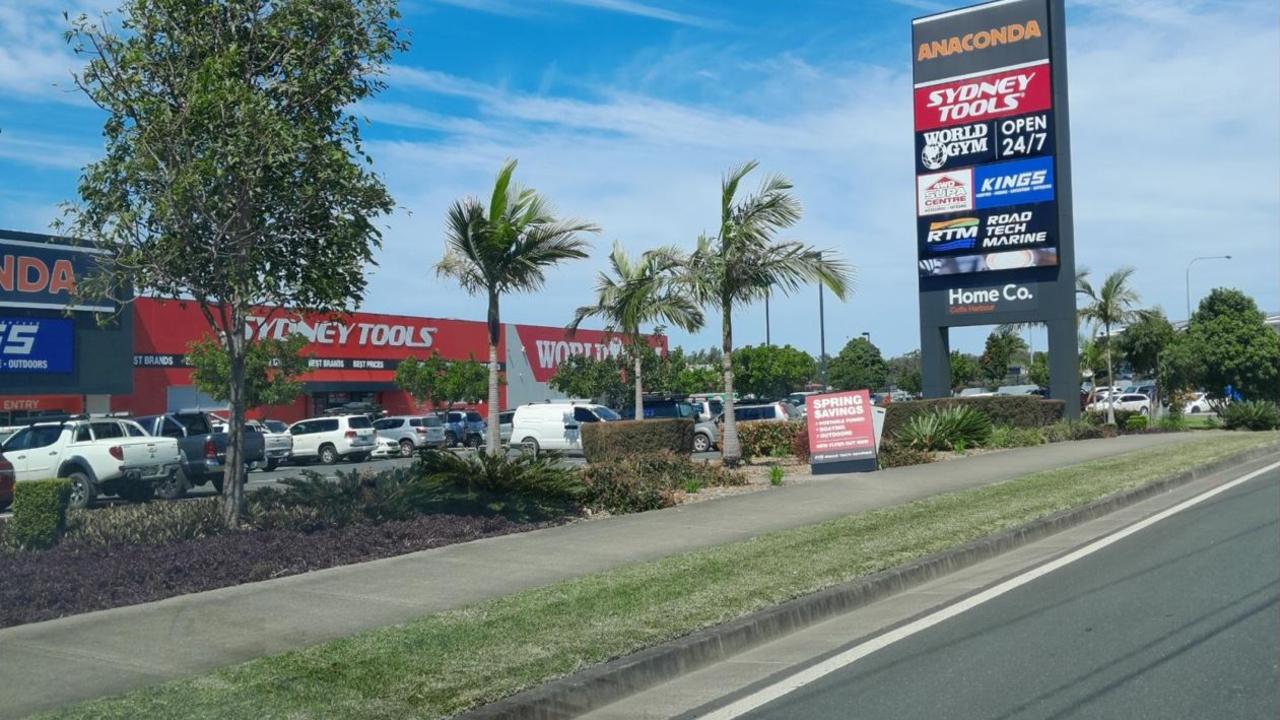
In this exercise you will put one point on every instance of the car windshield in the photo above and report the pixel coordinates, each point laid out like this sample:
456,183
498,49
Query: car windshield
606,414
474,417
431,421
275,426
195,423
359,421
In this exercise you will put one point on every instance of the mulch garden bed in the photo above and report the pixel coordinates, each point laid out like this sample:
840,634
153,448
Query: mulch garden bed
72,578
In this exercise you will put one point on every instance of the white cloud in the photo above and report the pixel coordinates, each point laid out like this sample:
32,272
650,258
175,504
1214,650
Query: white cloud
624,7
1175,146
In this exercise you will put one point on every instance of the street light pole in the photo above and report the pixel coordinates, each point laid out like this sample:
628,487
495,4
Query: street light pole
867,335
1193,262
822,333
766,319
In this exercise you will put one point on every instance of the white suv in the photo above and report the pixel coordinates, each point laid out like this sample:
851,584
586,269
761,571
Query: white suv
330,439
555,425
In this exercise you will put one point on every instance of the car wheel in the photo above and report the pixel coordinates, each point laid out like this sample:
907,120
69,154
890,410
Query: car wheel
450,439
82,490
271,465
1195,409
701,443
174,486
530,446
328,455
406,448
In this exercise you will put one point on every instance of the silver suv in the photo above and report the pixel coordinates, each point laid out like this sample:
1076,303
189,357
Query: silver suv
411,432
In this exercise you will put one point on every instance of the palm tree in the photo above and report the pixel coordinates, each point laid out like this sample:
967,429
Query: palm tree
638,292
743,262
1109,306
506,248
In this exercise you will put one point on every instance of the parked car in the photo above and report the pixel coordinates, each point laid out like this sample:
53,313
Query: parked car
278,443
504,426
706,436
663,407
1018,390
385,448
771,412
556,425
975,392
411,432
709,407
1131,402
463,426
6,483
99,455
330,439
1200,403
203,449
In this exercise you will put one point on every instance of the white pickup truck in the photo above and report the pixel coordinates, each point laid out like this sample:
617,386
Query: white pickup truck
277,440
99,455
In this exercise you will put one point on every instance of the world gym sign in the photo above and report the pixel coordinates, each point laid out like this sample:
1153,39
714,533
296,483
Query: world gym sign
994,235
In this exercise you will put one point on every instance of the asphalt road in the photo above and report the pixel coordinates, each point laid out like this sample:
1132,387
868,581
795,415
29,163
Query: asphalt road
1178,621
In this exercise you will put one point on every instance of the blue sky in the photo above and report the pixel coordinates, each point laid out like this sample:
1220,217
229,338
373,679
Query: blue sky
626,112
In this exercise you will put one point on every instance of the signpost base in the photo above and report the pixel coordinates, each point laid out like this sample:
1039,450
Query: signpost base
844,466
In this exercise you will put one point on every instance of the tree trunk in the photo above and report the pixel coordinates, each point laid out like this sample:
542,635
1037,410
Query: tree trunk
493,439
234,471
731,453
639,390
1111,383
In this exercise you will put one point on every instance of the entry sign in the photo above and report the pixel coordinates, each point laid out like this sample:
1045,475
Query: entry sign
841,432
36,345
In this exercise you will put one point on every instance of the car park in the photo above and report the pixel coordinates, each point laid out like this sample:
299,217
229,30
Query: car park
330,439
1129,402
556,425
99,455
202,447
411,432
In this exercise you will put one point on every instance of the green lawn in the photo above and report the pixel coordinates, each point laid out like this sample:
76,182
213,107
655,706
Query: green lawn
442,664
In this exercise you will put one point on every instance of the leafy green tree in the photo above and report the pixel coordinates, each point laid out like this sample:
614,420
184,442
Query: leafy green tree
234,174
271,370
502,249
1039,371
1109,306
637,292
744,261
770,371
464,381
1226,343
1143,341
422,379
581,376
904,372
858,365
964,369
1003,345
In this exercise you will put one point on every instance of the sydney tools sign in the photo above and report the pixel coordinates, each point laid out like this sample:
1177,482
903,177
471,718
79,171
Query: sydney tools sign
983,98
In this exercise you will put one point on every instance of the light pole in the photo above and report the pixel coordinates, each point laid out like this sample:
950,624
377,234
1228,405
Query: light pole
822,333
867,335
766,319
1193,262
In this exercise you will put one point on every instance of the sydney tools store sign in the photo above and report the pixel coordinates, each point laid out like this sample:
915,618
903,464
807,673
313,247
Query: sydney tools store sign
983,98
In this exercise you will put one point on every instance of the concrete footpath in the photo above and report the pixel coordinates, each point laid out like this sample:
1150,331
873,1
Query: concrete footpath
53,663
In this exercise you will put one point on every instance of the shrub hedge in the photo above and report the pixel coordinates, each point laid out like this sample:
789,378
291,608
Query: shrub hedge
1250,415
157,523
606,440
648,482
39,513
1015,411
897,455
763,439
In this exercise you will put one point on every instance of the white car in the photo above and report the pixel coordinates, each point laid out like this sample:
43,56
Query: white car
99,455
330,439
555,425
385,448
1201,403
1131,402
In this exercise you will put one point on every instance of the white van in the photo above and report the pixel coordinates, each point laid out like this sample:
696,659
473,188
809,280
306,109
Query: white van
555,425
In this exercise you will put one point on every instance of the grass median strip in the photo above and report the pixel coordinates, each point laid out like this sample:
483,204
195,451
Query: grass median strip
445,663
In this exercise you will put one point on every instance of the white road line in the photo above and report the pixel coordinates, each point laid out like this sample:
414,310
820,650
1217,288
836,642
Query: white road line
856,653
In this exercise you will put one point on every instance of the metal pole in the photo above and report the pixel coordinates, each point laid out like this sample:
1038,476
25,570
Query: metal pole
822,332
1193,262
766,319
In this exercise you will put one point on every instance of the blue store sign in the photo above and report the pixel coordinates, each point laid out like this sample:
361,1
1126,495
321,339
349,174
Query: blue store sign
36,345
